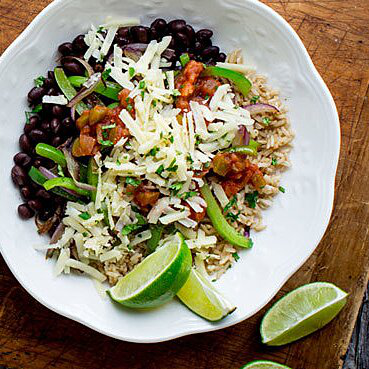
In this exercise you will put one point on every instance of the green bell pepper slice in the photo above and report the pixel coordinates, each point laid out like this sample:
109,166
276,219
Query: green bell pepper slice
65,182
68,90
50,152
220,223
40,179
110,89
92,176
240,81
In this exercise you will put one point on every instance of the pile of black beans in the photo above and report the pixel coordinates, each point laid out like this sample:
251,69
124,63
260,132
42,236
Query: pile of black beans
54,125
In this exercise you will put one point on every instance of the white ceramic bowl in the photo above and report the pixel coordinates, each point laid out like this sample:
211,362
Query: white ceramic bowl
297,220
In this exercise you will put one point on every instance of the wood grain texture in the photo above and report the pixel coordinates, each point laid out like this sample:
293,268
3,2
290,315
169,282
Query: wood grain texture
336,35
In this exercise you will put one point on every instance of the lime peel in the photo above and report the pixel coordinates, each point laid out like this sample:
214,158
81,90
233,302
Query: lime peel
264,364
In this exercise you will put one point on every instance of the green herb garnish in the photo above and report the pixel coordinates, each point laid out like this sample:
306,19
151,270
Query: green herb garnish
236,257
105,74
252,198
189,194
274,161
131,71
254,99
84,215
172,167
133,181
175,188
266,120
142,85
184,59
282,189
160,169
127,229
231,203
129,107
39,81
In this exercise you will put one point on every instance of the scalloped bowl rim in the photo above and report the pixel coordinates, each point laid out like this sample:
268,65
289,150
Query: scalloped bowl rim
274,16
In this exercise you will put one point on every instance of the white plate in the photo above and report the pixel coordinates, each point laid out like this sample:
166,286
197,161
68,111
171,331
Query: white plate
296,222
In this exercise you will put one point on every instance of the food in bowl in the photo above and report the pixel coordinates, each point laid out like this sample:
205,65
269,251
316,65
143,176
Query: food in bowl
144,138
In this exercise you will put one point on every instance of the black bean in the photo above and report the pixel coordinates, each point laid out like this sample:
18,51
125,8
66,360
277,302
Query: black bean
35,205
52,92
160,26
48,83
45,126
190,32
73,67
36,94
56,141
58,110
37,163
32,124
124,32
198,48
25,144
154,35
172,44
140,34
221,57
79,45
68,123
19,176
176,25
51,75
38,136
210,52
55,126
98,68
34,186
25,212
22,159
122,41
26,193
182,42
47,163
191,56
43,194
204,34
66,48
45,214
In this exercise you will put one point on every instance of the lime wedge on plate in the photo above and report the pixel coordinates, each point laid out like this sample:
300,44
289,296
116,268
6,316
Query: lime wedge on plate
203,299
301,312
157,278
263,364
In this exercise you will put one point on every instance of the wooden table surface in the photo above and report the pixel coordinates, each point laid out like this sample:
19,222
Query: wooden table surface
336,34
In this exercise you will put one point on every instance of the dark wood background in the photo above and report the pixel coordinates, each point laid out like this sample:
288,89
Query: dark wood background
336,34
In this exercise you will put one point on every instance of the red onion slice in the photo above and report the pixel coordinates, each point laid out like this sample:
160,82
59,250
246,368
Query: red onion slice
73,169
242,137
57,234
135,51
87,66
84,92
259,108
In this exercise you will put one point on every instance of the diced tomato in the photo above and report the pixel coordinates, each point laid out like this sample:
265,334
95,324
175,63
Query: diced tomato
207,86
145,198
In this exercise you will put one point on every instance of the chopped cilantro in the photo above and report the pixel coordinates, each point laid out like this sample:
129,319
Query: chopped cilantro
133,181
198,140
104,134
207,165
39,81
154,103
127,99
84,234
252,198
127,229
214,280
129,107
266,120
236,257
142,85
110,126
105,74
274,161
189,194
60,171
232,216
282,189
254,99
100,29
207,96
175,188
172,167
142,94
171,139
231,203
176,93
153,151
118,162
189,158
160,169
106,143
131,71
37,108
184,59
251,242
85,215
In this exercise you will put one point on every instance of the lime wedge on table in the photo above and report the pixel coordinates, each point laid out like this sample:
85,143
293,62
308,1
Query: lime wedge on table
263,364
203,299
301,312
157,278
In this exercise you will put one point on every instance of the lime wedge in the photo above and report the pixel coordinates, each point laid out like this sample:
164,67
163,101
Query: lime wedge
301,312
203,299
263,364
157,278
